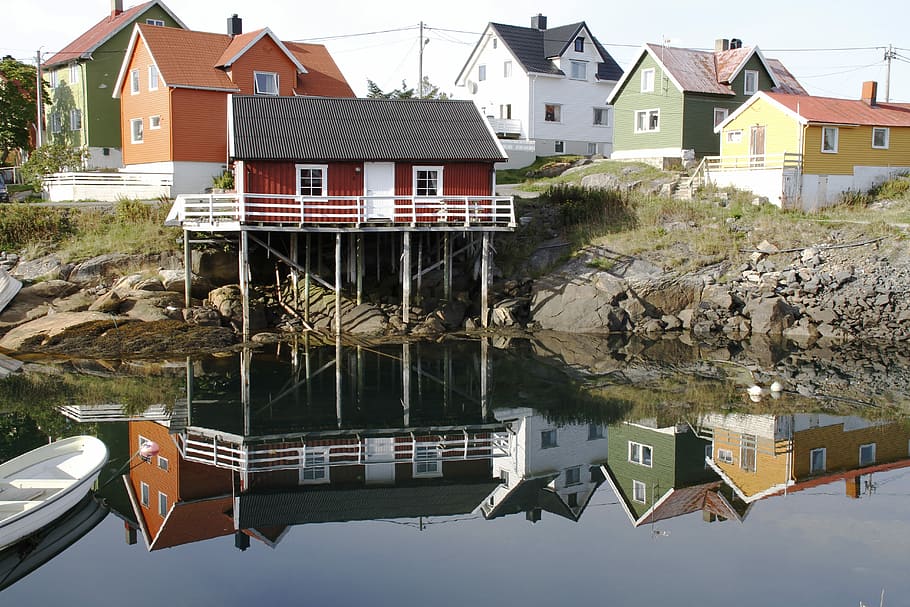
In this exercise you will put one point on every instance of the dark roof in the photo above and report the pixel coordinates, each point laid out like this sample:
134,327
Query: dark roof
320,128
535,48
331,504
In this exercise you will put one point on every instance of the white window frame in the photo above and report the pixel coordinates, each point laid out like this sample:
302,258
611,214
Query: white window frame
824,460
134,82
887,133
578,70
647,80
56,123
580,44
592,148
427,460
439,185
162,503
549,443
872,461
259,90
639,486
557,112
75,116
133,132
647,115
506,69
559,146
74,73
154,122
311,471
836,139
153,77
53,79
722,113
324,168
725,456
605,116
747,76
145,496
158,22
748,444
481,72
637,454
735,136
573,476
163,463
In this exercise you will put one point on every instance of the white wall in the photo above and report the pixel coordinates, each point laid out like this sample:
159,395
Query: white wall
189,177
97,159
766,182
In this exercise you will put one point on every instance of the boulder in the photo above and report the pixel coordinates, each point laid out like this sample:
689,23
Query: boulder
108,303
769,315
102,269
48,326
218,267
50,289
48,266
365,319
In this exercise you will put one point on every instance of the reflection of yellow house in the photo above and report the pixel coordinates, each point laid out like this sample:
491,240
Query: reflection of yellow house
805,151
761,455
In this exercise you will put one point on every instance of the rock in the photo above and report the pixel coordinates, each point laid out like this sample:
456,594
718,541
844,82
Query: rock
685,317
718,296
634,307
77,302
203,316
265,338
671,322
822,315
149,284
770,315
365,319
108,303
218,267
50,289
48,326
766,247
104,268
431,326
452,313
48,266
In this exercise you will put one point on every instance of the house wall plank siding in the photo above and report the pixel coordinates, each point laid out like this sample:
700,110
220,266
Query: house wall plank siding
782,132
264,56
665,97
842,447
200,125
854,148
156,143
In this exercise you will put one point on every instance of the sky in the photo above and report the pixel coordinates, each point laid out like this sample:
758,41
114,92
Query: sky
831,46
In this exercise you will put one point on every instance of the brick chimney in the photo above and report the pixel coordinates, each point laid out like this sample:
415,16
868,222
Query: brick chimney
721,44
539,22
870,91
116,7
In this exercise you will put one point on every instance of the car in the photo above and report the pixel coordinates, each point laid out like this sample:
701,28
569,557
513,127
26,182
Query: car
4,193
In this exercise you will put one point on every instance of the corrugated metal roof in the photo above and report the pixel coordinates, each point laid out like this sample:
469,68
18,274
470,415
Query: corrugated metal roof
845,111
321,128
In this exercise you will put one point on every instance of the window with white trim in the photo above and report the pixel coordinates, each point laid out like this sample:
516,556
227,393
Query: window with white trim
829,139
134,82
312,179
725,456
647,121
56,125
559,147
505,111
552,112
867,454
158,22
74,73
580,44
136,130
748,444
578,70
481,73
750,82
817,461
548,439
639,492
592,149
573,476
734,136
647,80
53,79
315,466
601,116
162,504
163,463
427,460
427,181
640,454
266,83
881,138
75,119
507,69
154,122
144,494
720,114
153,78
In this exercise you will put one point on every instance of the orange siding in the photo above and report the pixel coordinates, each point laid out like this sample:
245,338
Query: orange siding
166,482
199,125
156,144
265,56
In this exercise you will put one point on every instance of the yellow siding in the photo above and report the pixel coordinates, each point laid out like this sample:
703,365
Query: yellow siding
770,462
842,448
854,148
781,130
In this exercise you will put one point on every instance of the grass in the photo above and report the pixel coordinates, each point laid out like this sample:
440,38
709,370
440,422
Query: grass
511,176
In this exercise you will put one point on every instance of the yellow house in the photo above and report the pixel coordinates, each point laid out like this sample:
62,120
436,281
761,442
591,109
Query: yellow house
805,152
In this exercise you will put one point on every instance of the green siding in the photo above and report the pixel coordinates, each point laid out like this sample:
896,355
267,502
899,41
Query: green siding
690,461
666,97
659,478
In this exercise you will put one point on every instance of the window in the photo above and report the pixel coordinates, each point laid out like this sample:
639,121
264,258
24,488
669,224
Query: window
579,70
52,79
154,122
708,454
601,116
867,454
647,81
315,466
505,111
153,78
552,112
495,43
136,130
157,22
647,121
579,45
266,83
55,122
134,82
720,114
595,431
640,454
734,136
817,460
559,147
75,119
427,460
572,500
639,493
162,504
750,82
144,494
881,138
548,439
747,444
829,139
507,69
592,149
163,463
311,179
573,476
427,181
74,73
481,73
725,456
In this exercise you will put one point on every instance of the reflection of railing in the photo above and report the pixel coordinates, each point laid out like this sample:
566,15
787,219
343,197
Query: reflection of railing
235,455
224,210
754,162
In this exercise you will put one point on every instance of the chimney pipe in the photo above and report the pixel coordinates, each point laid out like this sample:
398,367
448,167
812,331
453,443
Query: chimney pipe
116,7
870,92
539,22
234,25
721,44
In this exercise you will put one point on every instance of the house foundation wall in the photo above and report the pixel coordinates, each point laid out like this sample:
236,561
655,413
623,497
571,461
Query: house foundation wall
767,182
98,159
189,177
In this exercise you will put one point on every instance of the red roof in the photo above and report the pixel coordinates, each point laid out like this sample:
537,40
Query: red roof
845,111
323,79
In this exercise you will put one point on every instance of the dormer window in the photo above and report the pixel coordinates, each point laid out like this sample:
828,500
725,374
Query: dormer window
158,22
266,83
579,45
750,84
481,73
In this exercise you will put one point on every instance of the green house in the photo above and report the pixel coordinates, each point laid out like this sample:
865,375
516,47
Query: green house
667,105
81,110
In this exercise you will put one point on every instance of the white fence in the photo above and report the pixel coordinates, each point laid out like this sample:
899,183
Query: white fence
107,187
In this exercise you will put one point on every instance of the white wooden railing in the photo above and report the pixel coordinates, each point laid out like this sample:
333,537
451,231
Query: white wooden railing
506,126
785,160
223,211
107,187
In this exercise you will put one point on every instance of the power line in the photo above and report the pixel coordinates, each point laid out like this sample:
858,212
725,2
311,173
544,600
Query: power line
373,33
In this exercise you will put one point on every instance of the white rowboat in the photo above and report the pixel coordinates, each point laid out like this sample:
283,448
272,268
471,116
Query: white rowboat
41,485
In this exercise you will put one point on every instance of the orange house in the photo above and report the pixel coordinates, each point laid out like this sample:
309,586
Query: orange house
174,85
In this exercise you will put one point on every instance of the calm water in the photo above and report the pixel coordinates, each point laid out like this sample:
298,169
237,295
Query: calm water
528,473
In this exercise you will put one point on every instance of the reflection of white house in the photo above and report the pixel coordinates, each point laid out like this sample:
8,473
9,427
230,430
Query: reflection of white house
543,90
552,467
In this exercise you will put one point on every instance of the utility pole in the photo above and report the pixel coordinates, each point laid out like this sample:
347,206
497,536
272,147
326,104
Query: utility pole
38,99
889,55
420,68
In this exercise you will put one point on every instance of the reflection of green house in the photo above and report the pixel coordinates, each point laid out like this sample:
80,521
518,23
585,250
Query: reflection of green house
81,110
660,472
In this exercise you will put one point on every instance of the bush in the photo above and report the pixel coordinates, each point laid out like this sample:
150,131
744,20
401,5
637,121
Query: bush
21,225
48,159
609,209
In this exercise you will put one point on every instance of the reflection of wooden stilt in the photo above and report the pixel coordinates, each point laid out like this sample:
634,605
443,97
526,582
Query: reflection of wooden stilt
406,382
484,377
245,282
306,282
245,359
295,273
187,270
338,373
419,264
307,369
359,270
338,284
189,390
406,278
485,280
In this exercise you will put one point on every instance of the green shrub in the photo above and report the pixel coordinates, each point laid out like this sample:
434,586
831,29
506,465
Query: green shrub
608,209
21,225
51,158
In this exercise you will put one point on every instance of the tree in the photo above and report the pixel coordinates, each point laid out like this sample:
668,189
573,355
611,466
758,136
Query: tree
18,107
51,158
430,91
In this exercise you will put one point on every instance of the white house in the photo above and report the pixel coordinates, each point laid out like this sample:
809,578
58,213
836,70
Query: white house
543,90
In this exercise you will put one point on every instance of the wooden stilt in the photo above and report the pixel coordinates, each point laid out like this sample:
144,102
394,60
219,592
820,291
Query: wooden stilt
306,282
359,269
406,278
187,269
485,281
295,273
447,261
338,284
245,282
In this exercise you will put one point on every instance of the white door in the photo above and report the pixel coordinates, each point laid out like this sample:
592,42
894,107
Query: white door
379,180
380,461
